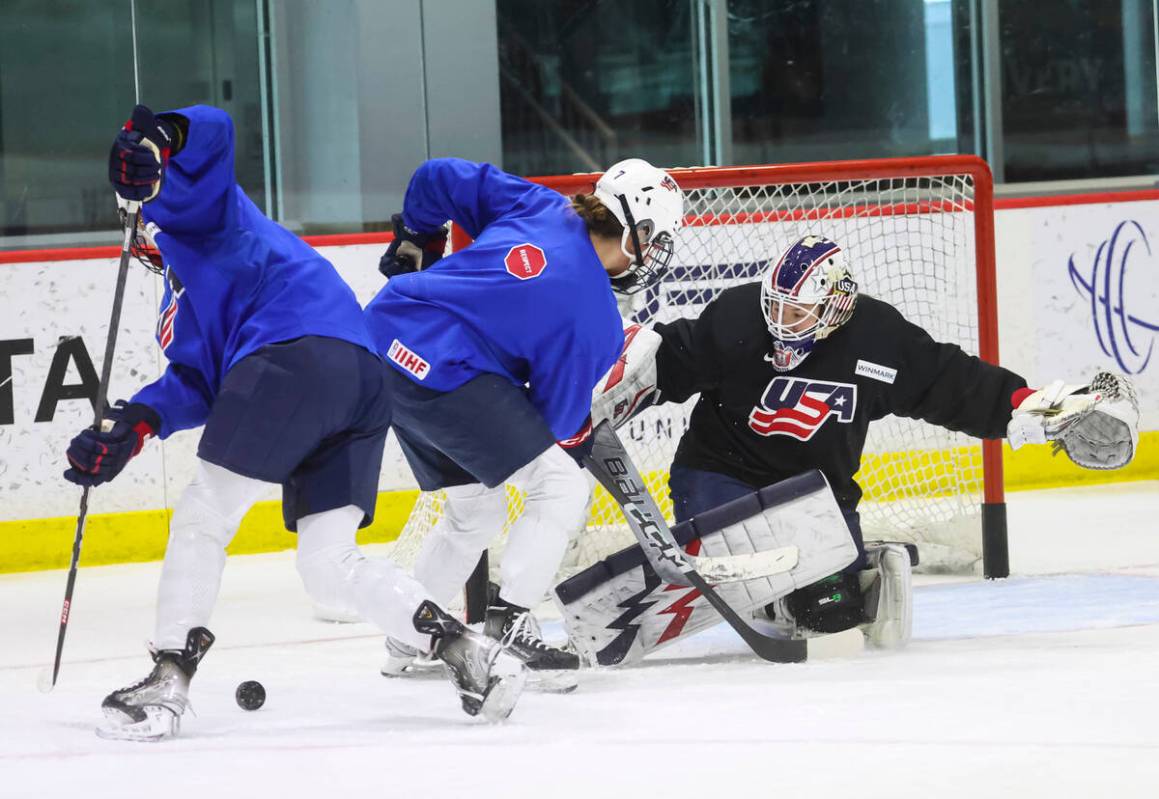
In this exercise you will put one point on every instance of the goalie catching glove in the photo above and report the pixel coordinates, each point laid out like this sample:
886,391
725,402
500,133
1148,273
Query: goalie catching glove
1096,425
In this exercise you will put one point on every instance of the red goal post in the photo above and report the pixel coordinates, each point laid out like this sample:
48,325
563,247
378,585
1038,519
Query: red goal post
936,211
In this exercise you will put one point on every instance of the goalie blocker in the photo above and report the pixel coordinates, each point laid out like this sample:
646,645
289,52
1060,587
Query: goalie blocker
619,609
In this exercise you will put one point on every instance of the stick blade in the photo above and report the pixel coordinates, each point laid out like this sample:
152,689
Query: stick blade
737,568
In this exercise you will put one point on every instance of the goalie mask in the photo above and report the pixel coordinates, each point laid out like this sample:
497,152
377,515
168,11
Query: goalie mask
650,206
807,295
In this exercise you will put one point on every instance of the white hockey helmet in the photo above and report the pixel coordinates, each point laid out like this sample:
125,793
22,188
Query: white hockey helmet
650,206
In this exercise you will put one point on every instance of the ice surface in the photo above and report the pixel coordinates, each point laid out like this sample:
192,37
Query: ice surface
1046,684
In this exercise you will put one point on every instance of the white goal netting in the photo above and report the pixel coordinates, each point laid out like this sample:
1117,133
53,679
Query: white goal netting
909,241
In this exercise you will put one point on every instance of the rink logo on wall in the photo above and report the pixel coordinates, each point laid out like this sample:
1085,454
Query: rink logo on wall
525,261
1121,288
797,407
408,359
69,356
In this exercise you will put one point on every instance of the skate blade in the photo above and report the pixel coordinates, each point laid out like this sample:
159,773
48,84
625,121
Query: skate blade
552,682
502,696
160,723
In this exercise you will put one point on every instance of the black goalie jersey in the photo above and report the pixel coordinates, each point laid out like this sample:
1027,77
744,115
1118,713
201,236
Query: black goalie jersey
761,426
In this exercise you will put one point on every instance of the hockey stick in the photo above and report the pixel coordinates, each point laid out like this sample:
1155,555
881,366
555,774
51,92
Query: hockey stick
610,464
132,209
664,554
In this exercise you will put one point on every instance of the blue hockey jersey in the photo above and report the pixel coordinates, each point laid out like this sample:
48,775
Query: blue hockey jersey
234,280
528,300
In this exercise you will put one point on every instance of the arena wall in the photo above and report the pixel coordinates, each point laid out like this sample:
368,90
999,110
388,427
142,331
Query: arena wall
1059,260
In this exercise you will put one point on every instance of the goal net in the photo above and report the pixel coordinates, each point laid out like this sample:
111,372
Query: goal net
916,233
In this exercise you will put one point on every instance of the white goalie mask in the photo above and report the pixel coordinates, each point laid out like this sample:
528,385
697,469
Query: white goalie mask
650,206
807,294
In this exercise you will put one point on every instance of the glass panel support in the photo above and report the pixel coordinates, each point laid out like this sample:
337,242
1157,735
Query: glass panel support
990,88
712,77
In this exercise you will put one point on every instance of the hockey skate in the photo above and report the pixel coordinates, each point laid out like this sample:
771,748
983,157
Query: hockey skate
151,709
825,614
488,679
550,669
403,659
883,592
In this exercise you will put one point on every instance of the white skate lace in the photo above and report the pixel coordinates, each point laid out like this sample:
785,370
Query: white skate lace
525,630
152,676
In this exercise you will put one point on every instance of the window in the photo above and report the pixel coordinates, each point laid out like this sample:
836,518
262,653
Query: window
66,80
67,83
585,83
1078,89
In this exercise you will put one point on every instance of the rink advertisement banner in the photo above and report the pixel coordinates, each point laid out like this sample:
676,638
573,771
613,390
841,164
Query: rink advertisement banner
52,338
1078,290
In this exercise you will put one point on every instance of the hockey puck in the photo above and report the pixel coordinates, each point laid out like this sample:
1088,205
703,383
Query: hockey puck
250,695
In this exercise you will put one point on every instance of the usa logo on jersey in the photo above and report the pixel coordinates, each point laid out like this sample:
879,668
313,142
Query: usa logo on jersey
797,407
168,319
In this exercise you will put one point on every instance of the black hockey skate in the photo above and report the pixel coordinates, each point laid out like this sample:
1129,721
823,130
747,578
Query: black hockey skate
488,679
830,605
551,669
151,709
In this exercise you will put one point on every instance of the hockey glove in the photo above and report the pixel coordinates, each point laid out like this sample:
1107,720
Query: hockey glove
1097,425
630,385
97,456
139,155
411,251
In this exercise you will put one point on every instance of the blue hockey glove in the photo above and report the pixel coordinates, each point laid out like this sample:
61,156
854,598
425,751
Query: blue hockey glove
97,456
139,155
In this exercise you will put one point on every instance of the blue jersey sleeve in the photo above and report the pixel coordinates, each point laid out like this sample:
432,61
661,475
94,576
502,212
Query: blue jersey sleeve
180,397
473,195
197,191
561,383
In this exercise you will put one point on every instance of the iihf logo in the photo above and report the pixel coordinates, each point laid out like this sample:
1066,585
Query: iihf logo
797,407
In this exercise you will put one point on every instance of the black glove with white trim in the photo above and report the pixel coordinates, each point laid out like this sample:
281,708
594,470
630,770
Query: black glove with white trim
411,251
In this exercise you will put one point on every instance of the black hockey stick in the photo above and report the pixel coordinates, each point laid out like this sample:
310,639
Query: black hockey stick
132,210
610,464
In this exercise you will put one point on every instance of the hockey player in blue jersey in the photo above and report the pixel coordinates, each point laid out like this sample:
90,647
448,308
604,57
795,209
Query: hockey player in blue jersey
268,349
496,349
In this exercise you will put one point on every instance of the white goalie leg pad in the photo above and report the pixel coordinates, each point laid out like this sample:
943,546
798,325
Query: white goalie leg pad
888,589
555,509
630,385
336,572
473,515
619,610
204,521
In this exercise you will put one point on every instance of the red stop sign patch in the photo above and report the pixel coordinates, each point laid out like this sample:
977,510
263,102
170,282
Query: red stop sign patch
525,261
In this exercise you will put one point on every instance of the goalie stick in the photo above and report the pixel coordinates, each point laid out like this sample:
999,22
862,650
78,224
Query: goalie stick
608,461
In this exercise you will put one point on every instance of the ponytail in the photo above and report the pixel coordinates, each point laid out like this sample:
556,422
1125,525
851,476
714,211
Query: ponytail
599,219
